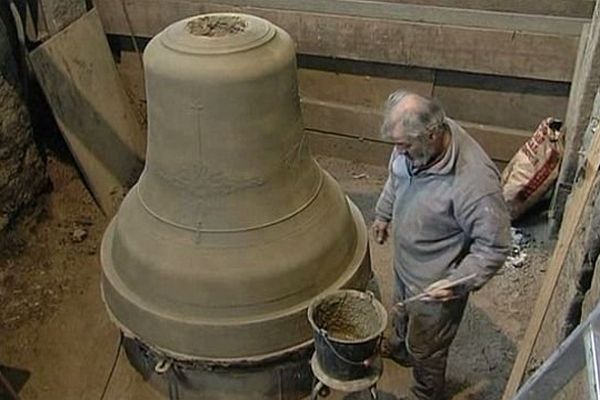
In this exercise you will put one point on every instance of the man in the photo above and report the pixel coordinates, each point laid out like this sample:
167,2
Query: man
449,221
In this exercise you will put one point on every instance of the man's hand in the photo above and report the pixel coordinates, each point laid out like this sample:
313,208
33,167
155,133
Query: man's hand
439,291
380,230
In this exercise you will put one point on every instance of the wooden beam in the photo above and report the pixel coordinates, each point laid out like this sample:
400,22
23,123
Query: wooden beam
363,124
459,16
356,149
570,158
418,13
574,211
500,101
361,88
487,99
500,143
585,85
567,8
350,148
497,51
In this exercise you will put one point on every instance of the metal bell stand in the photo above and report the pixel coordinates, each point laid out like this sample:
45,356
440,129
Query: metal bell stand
324,383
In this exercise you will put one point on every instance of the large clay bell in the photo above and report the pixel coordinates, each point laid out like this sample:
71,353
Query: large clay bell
233,228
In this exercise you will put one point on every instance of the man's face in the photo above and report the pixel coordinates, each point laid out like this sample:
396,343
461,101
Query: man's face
421,150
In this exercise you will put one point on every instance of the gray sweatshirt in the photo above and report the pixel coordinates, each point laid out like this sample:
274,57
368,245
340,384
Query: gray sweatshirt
448,221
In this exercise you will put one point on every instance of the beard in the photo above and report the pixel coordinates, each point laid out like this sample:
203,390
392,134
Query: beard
427,151
421,158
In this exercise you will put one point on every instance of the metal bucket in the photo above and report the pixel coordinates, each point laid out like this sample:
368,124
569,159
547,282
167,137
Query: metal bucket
347,328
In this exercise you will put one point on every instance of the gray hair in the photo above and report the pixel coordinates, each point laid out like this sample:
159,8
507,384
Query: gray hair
415,122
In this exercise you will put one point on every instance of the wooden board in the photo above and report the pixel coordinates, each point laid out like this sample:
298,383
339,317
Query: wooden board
571,8
502,101
458,16
432,45
360,90
574,211
486,99
578,388
58,14
363,123
350,148
79,78
563,185
581,100
355,149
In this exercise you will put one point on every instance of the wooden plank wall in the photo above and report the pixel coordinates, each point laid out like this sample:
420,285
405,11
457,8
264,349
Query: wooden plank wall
347,97
543,52
342,110
566,8
501,83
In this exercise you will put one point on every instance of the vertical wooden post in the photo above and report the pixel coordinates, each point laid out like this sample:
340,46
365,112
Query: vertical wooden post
586,80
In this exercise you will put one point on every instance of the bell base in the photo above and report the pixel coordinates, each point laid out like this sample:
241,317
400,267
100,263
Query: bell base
286,378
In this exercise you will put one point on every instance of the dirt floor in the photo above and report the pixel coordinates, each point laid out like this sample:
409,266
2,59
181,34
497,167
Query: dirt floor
57,343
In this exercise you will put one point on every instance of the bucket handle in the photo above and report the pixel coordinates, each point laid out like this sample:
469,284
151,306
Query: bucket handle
364,363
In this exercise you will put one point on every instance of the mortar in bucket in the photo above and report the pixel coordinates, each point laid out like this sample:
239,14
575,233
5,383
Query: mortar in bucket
347,328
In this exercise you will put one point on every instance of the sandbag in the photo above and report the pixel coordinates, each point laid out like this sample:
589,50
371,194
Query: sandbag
534,168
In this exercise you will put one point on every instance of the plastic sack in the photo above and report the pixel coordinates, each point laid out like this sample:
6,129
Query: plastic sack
534,169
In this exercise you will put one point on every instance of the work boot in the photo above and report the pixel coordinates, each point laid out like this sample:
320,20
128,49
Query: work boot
397,353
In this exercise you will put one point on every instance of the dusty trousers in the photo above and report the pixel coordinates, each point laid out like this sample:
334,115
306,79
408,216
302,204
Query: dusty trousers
425,332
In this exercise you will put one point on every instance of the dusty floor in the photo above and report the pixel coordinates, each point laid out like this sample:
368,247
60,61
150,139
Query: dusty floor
56,342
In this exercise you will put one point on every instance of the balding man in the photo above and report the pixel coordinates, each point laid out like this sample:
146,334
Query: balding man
449,221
